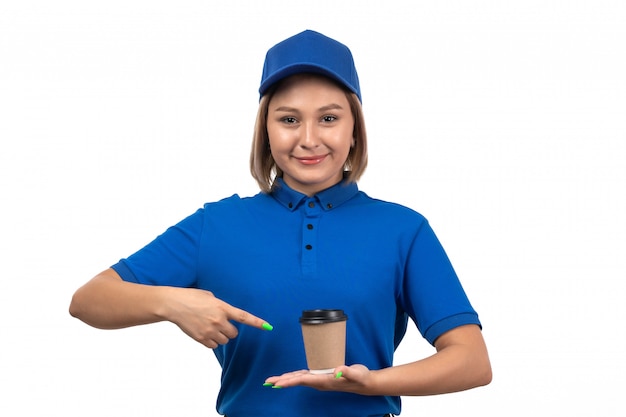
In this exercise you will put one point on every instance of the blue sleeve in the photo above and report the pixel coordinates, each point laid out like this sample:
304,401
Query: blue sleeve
432,293
170,259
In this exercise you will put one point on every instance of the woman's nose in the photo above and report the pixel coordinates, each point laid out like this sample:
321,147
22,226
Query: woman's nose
310,136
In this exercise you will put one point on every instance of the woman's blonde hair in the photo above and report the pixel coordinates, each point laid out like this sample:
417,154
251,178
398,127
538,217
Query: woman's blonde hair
262,165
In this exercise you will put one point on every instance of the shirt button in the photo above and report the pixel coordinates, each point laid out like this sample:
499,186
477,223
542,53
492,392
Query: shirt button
309,247
290,205
309,226
329,205
311,204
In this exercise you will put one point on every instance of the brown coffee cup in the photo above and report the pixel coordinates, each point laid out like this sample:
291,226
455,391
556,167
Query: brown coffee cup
324,336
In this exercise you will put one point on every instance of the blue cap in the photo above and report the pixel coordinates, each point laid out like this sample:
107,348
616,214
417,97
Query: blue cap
310,52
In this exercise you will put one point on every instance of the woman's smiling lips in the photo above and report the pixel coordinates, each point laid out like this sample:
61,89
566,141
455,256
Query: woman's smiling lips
311,160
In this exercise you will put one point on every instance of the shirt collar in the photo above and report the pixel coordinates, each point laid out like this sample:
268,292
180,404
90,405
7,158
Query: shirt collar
329,198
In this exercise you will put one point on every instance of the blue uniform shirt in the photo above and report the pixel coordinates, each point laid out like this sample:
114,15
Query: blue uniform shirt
277,254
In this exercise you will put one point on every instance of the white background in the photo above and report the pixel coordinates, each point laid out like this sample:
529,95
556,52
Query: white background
503,122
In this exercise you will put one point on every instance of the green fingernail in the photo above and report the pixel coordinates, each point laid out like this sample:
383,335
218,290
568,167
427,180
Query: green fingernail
268,384
338,375
267,326
277,387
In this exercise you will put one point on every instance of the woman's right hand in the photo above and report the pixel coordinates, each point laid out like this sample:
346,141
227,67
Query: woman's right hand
205,318
108,302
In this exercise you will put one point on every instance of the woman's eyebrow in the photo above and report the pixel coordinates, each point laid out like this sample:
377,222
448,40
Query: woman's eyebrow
286,109
332,106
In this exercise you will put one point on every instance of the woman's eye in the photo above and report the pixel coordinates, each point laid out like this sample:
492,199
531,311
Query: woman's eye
289,120
329,118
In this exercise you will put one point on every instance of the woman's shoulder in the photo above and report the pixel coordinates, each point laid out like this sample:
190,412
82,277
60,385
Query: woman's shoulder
390,207
388,214
237,199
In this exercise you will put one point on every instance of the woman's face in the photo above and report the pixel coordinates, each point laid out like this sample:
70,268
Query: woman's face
310,127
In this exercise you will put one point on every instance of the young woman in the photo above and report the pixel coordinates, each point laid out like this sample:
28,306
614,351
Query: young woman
310,239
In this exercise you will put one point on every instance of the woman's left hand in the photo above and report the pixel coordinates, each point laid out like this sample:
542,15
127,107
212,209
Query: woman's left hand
461,363
354,378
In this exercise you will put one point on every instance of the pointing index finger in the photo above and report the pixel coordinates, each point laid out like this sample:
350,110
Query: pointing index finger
248,319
